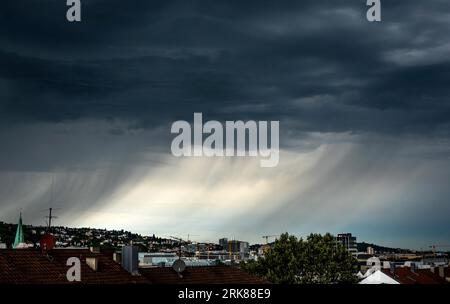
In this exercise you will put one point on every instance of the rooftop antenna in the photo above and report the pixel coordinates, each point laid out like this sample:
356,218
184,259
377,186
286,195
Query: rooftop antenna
50,217
180,241
48,241
50,209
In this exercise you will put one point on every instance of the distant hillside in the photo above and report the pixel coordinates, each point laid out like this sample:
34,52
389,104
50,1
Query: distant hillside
362,247
81,237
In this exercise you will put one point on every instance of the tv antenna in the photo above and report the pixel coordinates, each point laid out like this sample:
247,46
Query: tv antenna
50,216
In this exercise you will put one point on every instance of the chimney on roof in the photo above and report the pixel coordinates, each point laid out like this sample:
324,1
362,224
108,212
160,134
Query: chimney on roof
92,262
392,268
130,259
441,271
94,249
117,257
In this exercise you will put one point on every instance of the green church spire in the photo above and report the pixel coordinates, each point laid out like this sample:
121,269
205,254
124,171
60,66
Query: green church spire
19,233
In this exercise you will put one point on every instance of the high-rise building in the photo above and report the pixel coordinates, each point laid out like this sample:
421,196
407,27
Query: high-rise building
244,247
238,247
348,241
224,243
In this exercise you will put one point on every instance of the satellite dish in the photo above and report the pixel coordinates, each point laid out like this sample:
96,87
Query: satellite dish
179,266
47,242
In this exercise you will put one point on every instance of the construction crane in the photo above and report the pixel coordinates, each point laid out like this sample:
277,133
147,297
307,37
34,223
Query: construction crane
266,237
433,247
176,238
189,235
181,241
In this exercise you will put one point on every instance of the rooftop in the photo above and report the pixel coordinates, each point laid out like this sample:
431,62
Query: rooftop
201,275
30,266
404,275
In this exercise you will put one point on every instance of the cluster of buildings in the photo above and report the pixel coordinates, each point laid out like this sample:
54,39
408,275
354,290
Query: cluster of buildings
227,252
392,272
47,262
79,237
152,251
107,267
387,267
153,258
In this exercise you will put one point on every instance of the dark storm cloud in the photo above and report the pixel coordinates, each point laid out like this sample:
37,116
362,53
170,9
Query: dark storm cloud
154,61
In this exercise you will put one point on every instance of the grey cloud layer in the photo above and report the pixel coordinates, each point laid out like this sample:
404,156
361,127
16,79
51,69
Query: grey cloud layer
154,61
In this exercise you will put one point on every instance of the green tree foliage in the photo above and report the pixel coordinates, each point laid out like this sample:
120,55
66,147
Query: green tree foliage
316,260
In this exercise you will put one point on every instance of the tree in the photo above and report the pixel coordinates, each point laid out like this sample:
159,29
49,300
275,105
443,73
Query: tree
316,260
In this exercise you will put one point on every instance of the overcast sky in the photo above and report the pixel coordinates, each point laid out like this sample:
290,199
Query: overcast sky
364,111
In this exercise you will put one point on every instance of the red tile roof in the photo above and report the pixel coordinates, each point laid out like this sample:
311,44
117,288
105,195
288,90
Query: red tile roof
404,275
447,272
30,266
433,275
201,275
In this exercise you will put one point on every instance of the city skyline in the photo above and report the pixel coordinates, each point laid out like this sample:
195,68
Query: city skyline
29,236
196,238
